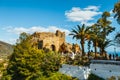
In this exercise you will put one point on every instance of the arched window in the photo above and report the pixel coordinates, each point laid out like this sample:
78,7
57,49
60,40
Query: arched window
53,47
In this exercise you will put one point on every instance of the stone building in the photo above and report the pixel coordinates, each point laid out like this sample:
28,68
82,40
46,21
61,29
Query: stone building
49,40
53,41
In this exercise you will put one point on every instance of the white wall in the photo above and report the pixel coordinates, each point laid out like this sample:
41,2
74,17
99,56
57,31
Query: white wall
75,71
103,70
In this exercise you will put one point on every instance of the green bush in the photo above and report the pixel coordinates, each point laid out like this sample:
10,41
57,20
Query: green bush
59,76
118,77
81,61
112,78
94,77
29,63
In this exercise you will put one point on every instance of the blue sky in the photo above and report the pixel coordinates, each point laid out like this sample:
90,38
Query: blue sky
18,16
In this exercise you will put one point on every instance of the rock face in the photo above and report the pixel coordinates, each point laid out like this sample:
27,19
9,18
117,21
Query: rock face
48,40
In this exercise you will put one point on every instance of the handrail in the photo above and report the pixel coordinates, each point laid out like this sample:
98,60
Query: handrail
105,62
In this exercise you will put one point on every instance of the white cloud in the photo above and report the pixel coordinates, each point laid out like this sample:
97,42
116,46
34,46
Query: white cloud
94,8
76,14
18,30
111,11
9,40
88,23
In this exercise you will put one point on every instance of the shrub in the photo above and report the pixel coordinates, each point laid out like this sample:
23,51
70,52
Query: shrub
29,63
112,78
94,77
59,76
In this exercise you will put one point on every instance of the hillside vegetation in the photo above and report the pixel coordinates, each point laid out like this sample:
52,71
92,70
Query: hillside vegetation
29,63
5,49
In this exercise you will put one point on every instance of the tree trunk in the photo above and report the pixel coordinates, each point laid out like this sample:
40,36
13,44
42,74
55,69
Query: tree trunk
82,45
95,49
102,51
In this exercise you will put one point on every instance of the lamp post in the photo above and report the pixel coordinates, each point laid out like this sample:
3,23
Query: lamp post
115,50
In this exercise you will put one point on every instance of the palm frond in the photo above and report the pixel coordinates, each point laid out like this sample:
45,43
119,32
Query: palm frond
117,36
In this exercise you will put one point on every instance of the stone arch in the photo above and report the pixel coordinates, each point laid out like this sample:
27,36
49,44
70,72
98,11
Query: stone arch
53,48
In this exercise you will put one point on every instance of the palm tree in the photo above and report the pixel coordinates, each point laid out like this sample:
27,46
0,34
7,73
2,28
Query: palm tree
116,10
103,45
105,24
81,33
117,39
95,36
89,44
106,29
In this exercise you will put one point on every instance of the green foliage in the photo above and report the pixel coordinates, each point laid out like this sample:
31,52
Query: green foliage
78,60
29,63
51,63
82,61
117,39
1,66
112,78
23,36
99,32
118,77
116,10
59,76
94,77
24,63
81,33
